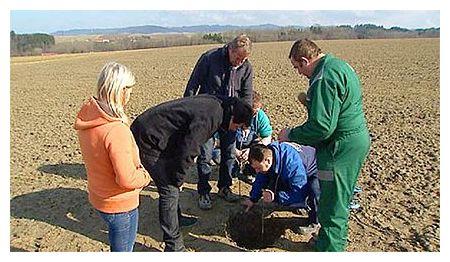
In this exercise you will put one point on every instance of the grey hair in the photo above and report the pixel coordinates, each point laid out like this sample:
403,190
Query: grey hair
113,78
241,41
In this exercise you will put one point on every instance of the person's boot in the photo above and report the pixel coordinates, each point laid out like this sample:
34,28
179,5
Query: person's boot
226,194
204,202
311,229
185,221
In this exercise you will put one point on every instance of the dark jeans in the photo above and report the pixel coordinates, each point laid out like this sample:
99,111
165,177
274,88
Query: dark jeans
122,229
168,207
313,198
312,201
168,217
227,159
248,170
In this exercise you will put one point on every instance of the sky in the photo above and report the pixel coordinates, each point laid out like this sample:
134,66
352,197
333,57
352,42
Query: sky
49,21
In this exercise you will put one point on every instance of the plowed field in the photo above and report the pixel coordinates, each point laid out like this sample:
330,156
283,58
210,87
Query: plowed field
400,180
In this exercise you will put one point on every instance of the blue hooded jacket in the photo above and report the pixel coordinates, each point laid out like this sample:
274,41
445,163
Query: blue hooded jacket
286,177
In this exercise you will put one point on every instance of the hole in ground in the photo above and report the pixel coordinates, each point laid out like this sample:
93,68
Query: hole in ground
246,229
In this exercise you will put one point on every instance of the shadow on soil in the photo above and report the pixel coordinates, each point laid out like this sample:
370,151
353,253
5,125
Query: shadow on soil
72,170
70,209
78,171
67,208
16,249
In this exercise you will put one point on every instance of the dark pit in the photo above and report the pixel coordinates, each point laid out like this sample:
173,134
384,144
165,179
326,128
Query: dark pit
246,229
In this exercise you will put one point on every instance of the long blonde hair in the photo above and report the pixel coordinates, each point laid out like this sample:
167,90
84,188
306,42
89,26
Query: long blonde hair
113,78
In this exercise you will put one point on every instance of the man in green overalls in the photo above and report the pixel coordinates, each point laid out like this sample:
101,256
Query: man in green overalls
336,126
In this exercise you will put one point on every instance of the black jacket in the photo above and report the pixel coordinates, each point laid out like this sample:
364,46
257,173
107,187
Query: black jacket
175,130
211,75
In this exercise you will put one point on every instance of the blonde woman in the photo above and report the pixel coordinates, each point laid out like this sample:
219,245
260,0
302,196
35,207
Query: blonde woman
114,171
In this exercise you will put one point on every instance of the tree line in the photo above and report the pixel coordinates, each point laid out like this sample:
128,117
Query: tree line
35,44
30,44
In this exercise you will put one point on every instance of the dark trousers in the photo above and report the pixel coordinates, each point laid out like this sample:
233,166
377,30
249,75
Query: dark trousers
169,208
227,159
168,217
310,204
313,199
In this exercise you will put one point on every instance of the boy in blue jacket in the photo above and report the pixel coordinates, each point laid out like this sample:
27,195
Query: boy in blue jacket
282,178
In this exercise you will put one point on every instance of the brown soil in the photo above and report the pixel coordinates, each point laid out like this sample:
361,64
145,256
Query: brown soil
400,180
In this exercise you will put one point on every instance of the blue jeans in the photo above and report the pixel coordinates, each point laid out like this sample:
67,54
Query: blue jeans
227,159
122,229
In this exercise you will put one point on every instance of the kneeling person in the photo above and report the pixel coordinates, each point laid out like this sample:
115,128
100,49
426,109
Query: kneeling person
281,177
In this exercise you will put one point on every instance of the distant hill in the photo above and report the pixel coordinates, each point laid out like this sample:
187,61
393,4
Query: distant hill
152,29
138,37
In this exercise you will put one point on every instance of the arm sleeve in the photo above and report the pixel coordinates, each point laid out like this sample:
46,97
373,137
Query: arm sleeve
322,115
257,187
264,127
247,86
266,140
198,77
196,134
128,173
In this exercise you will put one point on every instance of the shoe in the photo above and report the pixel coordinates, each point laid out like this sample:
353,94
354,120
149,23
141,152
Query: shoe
179,249
301,211
311,244
354,205
185,221
215,158
246,178
204,202
357,190
226,194
310,229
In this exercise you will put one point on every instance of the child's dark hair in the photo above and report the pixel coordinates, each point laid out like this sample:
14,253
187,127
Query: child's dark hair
242,112
257,152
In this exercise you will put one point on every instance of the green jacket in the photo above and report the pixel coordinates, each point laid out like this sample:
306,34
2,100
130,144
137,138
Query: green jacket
334,103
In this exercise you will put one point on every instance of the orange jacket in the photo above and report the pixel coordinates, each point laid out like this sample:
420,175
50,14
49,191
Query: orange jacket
114,171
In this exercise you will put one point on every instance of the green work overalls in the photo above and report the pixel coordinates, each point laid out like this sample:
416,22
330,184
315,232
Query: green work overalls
337,128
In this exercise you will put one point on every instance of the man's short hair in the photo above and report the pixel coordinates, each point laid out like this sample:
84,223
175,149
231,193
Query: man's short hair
241,41
304,48
258,152
242,112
